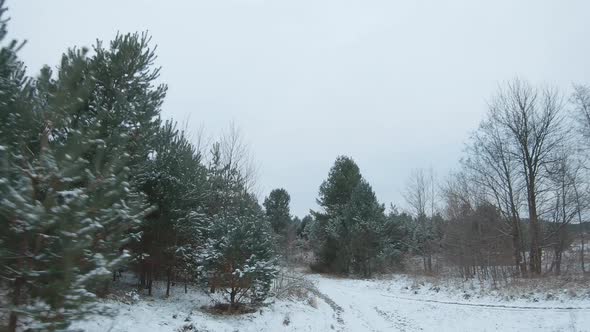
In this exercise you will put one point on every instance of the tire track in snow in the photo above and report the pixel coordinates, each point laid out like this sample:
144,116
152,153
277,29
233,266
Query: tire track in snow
369,321
361,317
492,306
400,323
371,308
573,321
337,309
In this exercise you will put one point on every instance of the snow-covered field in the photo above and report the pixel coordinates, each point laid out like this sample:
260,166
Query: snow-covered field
395,304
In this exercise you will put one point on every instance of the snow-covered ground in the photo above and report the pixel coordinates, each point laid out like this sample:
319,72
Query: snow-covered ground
394,304
182,312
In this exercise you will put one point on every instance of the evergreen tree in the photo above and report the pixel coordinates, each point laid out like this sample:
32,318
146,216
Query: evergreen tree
125,98
123,102
336,191
364,221
225,182
352,233
277,210
63,217
424,236
173,179
394,239
237,257
16,95
328,231
304,227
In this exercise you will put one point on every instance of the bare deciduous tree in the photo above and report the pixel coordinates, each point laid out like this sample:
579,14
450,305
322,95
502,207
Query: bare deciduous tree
581,101
492,167
236,155
420,195
564,175
529,119
582,197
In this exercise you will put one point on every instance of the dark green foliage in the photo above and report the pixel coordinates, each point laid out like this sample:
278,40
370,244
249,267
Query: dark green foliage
63,217
364,219
83,153
16,96
335,192
114,91
225,181
334,195
237,257
352,234
395,236
125,99
303,226
277,210
173,178
424,235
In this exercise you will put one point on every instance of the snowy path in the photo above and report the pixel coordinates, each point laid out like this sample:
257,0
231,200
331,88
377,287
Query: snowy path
348,305
368,307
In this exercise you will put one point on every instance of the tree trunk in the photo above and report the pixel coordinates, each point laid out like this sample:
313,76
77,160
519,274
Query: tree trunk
232,298
557,262
15,301
142,279
581,231
19,282
150,279
536,251
516,243
168,280
582,249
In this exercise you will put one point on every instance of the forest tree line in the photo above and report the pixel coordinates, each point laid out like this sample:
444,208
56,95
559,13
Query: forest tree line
516,206
94,183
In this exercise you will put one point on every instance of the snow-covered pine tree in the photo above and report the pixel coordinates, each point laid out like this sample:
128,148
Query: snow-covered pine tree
364,220
17,137
225,181
174,180
238,258
125,96
329,239
352,233
394,239
63,217
121,99
186,251
278,215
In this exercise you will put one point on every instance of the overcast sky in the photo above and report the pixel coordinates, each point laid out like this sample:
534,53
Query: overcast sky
397,85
